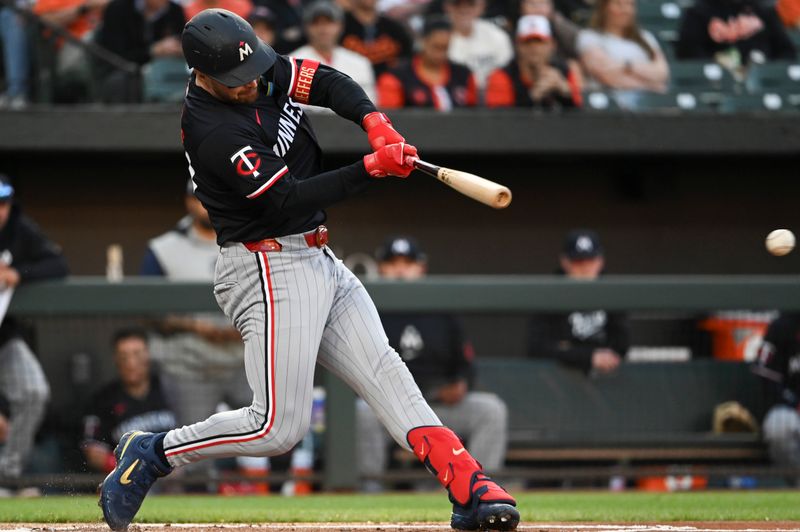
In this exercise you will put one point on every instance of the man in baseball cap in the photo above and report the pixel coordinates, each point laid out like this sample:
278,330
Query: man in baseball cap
400,257
535,78
582,254
590,341
26,256
257,167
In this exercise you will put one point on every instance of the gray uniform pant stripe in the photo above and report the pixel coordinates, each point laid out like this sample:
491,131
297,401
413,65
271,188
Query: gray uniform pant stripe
318,310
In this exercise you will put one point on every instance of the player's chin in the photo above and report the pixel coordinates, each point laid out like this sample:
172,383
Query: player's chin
247,97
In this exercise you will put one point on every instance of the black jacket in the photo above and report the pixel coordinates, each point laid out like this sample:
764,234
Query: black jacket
25,248
571,338
696,41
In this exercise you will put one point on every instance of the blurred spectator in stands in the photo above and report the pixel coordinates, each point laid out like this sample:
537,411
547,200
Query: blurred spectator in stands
263,21
619,55
441,361
243,8
778,363
81,19
14,42
136,400
324,23
26,255
479,44
140,31
733,32
594,340
534,78
380,39
789,11
202,354
288,23
430,79
565,32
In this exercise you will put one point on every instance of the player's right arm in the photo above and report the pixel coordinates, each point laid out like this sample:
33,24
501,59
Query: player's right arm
255,172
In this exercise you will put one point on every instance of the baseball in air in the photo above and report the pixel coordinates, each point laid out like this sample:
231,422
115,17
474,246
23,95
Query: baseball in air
780,242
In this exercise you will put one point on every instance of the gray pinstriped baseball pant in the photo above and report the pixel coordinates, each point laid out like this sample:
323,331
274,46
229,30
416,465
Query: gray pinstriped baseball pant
294,308
25,386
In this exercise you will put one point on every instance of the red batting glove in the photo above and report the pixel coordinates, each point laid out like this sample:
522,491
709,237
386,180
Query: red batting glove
390,160
380,131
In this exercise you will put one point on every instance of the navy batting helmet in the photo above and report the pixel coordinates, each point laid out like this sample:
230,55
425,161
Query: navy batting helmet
224,46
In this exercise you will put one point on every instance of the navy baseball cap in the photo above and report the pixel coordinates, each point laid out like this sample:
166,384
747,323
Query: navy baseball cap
582,244
6,190
400,246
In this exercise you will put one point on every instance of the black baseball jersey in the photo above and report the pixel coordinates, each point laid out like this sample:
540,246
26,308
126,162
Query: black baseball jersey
257,168
572,338
778,361
433,348
403,86
112,413
383,43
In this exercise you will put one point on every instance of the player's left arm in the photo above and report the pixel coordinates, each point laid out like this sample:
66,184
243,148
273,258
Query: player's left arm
310,82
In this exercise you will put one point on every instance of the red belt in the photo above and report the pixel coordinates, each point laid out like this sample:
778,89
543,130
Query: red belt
315,239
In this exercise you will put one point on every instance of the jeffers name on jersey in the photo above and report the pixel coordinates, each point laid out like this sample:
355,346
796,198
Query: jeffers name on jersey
257,167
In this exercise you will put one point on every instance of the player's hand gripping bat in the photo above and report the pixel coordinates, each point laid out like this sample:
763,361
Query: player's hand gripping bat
477,188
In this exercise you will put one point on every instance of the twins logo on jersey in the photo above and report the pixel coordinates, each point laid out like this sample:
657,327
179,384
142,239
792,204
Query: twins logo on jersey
247,162
287,127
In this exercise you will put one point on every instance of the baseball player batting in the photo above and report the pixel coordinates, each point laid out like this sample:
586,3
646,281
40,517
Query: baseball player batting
256,166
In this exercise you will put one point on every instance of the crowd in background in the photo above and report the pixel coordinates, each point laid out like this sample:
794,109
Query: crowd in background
439,54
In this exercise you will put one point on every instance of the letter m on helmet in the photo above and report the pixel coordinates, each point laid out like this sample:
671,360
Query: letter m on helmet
244,50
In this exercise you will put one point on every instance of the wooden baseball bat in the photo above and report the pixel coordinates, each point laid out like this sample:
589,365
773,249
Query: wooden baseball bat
472,186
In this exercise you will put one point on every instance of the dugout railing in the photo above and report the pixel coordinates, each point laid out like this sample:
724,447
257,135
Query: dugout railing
557,420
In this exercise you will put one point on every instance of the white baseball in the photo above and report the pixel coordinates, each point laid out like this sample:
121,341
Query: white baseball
780,242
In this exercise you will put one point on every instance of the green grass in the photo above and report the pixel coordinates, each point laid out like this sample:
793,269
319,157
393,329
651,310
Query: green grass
535,506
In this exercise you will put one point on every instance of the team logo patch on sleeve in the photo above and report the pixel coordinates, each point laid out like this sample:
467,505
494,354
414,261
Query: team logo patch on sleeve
247,162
